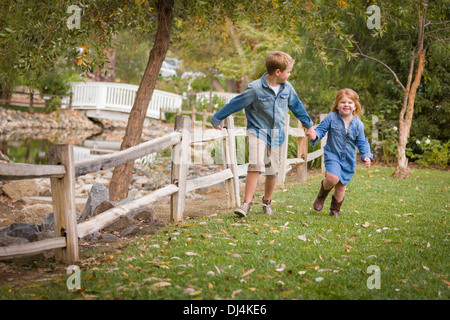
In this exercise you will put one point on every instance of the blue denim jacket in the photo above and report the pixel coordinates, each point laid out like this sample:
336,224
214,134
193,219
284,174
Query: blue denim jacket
265,111
340,149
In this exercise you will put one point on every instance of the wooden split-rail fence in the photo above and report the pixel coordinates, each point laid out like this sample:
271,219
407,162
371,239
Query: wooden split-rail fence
63,171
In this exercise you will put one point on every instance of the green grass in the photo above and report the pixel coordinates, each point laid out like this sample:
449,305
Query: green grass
400,226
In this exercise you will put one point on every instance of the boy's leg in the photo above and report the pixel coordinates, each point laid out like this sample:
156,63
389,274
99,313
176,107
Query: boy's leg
256,165
251,182
269,187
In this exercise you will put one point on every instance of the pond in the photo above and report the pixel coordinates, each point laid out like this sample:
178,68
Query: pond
34,148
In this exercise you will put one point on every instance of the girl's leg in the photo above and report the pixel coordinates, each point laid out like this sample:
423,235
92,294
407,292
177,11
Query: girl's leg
325,187
339,191
337,199
330,181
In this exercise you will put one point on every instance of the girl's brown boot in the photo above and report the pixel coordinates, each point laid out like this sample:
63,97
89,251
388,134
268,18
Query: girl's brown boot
335,207
321,196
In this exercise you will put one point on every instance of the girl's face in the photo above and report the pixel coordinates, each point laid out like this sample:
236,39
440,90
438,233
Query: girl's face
346,106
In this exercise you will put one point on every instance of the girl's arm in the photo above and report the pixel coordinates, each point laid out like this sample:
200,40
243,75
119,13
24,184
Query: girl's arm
363,144
322,129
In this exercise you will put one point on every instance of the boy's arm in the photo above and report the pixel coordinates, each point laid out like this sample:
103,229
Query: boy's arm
237,103
298,109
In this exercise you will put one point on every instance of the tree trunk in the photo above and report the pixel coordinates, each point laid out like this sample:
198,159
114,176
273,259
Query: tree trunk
406,115
121,178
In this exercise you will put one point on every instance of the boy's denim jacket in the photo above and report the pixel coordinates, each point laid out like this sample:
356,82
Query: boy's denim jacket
265,112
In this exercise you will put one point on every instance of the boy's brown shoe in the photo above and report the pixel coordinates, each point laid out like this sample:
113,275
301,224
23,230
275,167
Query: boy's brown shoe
266,205
243,210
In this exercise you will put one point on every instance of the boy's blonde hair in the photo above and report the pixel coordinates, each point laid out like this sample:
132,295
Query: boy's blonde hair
349,93
278,60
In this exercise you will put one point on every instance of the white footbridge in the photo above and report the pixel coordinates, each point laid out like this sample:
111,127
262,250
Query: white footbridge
114,101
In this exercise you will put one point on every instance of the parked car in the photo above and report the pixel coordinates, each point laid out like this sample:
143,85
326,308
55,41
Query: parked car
166,71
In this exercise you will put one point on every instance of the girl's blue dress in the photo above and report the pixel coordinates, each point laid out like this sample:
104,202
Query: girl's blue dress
340,149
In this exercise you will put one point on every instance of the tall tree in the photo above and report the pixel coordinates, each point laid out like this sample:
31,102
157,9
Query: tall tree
425,23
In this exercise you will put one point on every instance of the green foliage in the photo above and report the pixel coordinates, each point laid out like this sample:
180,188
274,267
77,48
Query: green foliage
433,153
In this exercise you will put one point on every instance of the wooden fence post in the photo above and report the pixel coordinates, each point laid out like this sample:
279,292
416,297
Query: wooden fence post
323,142
302,152
180,159
231,162
63,196
283,153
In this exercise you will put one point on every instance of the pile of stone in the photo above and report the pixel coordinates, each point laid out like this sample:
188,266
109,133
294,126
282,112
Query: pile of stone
12,120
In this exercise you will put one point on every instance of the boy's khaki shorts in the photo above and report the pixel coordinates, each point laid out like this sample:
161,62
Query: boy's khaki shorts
262,158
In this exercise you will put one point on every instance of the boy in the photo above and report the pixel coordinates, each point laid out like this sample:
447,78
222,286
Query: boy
266,101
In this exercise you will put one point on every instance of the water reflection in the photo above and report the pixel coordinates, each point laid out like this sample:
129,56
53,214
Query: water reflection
33,147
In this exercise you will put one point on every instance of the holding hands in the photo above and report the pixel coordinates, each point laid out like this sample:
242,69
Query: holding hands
311,133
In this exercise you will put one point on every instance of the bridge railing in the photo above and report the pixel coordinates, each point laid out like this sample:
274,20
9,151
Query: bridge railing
119,97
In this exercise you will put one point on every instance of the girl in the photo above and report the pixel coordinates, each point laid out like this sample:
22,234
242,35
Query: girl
345,133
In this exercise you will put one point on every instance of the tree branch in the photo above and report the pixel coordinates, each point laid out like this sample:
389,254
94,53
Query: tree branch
383,64
437,30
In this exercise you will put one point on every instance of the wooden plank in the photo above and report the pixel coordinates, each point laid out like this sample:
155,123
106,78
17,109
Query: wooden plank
316,154
127,155
63,195
208,180
20,171
26,249
283,152
105,218
180,159
294,161
302,153
233,160
297,132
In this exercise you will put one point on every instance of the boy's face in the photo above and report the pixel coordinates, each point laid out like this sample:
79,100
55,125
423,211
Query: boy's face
282,76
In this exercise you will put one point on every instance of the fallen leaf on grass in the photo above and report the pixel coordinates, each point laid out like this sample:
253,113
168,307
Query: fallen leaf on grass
280,269
366,224
302,237
235,292
246,273
161,284
286,293
192,254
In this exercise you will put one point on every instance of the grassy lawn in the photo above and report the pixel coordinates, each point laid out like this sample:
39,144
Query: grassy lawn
399,227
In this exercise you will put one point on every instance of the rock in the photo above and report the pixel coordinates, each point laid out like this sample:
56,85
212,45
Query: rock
108,237
48,234
102,207
6,240
121,223
99,193
48,222
34,213
22,188
129,231
23,230
147,214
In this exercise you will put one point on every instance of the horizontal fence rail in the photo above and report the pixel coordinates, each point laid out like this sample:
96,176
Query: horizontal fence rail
63,170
